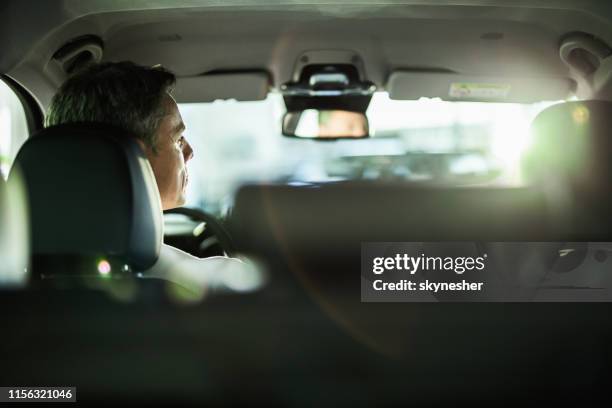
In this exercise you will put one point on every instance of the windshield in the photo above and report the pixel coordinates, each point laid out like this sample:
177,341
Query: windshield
451,143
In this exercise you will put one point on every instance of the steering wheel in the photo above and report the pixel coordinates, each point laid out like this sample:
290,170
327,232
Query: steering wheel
216,227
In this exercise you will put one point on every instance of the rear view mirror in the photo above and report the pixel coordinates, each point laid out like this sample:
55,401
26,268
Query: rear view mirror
326,124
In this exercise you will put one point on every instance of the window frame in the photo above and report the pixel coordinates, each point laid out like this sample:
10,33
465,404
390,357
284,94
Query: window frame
33,112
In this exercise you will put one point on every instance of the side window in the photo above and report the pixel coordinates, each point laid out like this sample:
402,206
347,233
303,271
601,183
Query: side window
13,127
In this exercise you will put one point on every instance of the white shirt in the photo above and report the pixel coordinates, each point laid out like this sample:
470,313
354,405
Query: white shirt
201,275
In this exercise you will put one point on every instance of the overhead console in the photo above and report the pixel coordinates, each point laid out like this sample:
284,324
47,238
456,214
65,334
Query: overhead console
327,96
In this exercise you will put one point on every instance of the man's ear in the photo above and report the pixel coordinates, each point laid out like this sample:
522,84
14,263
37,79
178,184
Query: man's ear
145,148
142,145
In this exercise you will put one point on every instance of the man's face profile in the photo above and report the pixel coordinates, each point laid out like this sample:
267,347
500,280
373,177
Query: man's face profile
171,154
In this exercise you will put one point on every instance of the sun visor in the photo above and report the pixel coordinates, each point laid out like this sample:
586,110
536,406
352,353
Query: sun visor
457,87
242,86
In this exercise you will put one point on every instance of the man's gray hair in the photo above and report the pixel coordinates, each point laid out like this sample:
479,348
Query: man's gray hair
121,94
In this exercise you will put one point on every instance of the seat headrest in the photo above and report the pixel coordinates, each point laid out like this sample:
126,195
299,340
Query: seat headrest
572,143
13,234
92,192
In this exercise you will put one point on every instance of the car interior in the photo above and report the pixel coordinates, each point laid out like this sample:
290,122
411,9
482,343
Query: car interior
318,127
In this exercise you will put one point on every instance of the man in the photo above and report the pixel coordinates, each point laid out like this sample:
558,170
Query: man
138,99
339,123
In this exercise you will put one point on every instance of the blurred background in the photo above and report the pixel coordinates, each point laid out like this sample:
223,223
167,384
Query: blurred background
455,143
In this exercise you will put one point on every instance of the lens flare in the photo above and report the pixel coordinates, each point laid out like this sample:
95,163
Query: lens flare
580,115
104,267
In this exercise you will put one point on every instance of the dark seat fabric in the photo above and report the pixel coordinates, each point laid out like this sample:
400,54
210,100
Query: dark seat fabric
92,193
571,142
318,232
325,218
571,158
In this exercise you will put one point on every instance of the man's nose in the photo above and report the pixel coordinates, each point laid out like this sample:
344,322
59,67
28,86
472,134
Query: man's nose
187,152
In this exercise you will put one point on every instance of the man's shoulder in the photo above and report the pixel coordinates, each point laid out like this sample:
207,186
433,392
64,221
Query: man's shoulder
170,251
173,255
185,269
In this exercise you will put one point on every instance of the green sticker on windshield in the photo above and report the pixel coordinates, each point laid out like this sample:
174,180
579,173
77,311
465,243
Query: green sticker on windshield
479,91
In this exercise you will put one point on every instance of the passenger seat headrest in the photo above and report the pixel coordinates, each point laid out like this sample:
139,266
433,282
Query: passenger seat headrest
572,144
92,192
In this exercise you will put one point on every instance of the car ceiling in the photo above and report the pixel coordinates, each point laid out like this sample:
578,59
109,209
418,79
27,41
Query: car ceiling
202,36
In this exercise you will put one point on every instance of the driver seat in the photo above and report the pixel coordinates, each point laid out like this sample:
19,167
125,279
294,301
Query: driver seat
94,205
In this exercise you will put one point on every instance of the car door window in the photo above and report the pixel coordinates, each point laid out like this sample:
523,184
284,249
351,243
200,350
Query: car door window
13,127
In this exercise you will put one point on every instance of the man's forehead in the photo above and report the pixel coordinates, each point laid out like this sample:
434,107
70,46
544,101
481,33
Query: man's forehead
170,103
